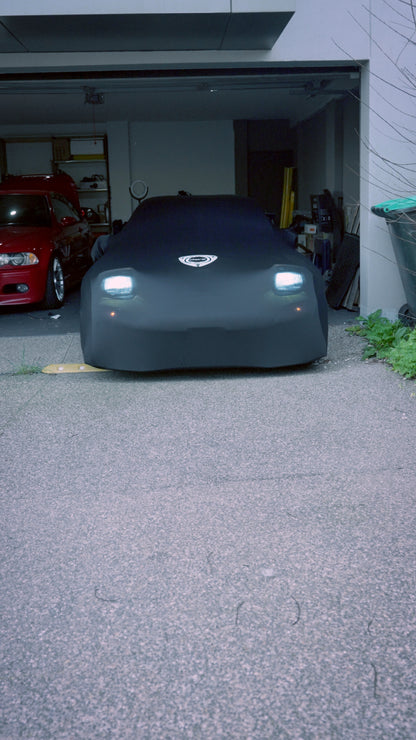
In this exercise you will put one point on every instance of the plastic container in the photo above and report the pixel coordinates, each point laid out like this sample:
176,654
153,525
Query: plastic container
400,216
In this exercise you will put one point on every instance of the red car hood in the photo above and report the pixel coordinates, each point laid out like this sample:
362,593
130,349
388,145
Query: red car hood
23,238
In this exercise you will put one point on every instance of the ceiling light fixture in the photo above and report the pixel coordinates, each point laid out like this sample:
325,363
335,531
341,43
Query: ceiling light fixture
93,97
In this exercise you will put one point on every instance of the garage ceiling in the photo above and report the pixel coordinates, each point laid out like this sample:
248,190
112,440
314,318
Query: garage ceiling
98,87
202,94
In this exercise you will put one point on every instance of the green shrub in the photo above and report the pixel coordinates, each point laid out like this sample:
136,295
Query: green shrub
388,340
402,356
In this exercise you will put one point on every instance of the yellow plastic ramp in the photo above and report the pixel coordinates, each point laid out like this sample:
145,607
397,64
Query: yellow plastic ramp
72,367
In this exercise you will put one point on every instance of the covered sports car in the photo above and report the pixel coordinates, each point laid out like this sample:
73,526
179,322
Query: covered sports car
201,281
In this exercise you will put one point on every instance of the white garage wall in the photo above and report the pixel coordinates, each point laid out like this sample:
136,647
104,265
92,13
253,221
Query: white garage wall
328,153
351,151
119,169
27,158
311,155
193,156
197,156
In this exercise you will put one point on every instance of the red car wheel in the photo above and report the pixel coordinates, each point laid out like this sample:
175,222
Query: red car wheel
55,285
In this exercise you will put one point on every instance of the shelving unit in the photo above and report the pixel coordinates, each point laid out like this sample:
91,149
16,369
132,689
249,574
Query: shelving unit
85,159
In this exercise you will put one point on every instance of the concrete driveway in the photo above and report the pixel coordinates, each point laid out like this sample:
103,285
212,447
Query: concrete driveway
207,554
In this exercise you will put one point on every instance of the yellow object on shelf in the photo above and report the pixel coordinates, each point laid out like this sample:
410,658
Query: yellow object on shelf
87,157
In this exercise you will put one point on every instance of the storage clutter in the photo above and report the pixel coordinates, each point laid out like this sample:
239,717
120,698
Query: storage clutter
329,235
94,182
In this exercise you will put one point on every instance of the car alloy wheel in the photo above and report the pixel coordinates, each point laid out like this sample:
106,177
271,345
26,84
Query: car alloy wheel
55,285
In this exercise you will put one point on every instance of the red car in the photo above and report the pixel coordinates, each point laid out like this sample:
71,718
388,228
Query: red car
45,243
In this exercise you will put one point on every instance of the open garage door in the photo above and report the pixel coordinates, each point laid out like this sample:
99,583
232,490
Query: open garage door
233,128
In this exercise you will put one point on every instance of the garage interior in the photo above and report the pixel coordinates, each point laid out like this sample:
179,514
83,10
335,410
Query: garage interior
202,128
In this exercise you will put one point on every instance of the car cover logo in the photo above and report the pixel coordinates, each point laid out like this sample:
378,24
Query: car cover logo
198,260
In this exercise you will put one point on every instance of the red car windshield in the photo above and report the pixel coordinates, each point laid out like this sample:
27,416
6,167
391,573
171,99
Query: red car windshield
19,209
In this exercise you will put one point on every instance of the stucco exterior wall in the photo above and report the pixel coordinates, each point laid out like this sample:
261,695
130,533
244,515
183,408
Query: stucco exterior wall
25,7
388,149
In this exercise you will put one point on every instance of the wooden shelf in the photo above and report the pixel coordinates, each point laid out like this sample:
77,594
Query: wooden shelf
86,165
80,161
92,190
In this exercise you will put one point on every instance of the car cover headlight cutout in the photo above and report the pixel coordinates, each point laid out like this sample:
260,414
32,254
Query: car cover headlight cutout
288,281
118,285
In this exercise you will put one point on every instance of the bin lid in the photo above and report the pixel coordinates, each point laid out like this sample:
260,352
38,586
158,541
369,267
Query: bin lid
395,207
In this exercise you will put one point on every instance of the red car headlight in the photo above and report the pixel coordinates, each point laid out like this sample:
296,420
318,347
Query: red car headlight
15,259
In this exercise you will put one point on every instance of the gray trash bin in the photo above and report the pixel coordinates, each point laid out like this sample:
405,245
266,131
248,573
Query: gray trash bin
400,216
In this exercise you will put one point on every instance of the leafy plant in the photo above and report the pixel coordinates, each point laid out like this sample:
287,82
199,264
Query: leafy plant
402,357
388,340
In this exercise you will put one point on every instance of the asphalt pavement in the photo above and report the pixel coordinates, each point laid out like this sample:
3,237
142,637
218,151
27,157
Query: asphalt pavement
205,554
